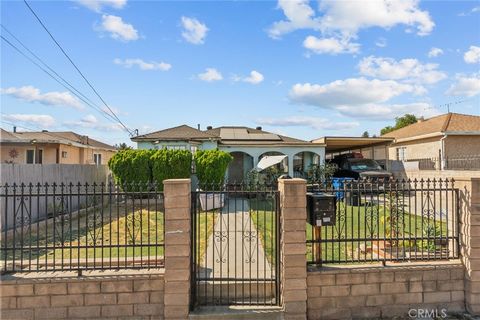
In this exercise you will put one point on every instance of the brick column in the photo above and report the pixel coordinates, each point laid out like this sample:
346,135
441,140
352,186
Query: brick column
293,205
469,193
177,248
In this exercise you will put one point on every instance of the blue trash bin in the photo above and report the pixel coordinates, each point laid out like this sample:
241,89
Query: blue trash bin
337,184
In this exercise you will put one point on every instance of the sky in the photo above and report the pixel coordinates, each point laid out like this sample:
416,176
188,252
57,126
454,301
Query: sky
305,69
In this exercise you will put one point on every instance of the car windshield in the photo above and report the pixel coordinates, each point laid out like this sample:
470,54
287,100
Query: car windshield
364,164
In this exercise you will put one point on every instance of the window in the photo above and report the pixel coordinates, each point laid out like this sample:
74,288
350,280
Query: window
30,156
64,154
402,153
176,147
97,158
40,156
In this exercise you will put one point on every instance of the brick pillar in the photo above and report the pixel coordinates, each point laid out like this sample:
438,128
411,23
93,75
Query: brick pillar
470,240
293,205
177,248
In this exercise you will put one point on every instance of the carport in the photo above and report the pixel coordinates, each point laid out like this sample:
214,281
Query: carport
376,148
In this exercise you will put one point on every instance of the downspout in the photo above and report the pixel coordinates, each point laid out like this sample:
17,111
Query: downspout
442,159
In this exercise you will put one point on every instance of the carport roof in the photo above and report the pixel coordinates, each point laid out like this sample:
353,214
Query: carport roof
339,144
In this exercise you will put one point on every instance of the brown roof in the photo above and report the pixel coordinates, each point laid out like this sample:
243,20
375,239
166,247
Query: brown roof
231,135
449,122
63,137
182,132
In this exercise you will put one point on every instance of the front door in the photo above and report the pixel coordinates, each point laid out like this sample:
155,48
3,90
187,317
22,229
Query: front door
235,169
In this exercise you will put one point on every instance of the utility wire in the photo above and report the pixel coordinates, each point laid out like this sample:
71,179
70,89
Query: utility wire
93,104
103,113
75,66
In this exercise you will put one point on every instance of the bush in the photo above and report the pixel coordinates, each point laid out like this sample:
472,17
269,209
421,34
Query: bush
135,169
171,164
132,166
211,165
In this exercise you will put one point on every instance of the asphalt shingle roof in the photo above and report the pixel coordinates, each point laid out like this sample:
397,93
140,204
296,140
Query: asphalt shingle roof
449,122
64,137
182,132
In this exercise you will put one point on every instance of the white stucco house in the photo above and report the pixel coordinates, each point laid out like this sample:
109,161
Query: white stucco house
246,145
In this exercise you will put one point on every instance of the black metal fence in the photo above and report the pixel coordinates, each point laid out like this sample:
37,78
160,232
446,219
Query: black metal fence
396,220
235,252
81,226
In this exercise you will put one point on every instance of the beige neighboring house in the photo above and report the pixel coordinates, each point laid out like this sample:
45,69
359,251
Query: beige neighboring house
47,147
447,141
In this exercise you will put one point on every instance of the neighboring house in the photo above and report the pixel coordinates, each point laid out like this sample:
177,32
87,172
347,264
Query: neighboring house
47,147
246,145
448,141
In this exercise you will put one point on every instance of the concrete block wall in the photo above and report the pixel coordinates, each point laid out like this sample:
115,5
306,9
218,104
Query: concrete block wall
95,295
374,292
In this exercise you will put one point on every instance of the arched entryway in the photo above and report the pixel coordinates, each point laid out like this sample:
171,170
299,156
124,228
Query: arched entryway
239,167
302,162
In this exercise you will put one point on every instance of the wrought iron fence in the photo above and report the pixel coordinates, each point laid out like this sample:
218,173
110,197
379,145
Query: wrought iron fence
235,252
396,220
81,226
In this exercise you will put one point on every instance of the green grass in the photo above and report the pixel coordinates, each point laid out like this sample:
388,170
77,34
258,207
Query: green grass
263,217
352,223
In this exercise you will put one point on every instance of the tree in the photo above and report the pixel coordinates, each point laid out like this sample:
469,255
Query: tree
123,146
400,122
365,134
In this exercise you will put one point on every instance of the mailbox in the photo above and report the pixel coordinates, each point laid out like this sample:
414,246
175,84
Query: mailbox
321,209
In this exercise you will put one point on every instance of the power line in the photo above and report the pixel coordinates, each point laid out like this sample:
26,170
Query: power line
103,113
75,66
53,71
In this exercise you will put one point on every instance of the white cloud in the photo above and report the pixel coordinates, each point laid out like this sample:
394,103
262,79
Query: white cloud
54,98
143,65
91,122
255,77
472,11
210,74
472,55
43,120
435,52
410,70
118,29
299,15
97,5
351,91
312,122
330,45
193,30
359,97
385,111
467,86
381,42
342,20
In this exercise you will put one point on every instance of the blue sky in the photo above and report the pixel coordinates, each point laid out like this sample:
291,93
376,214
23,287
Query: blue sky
301,68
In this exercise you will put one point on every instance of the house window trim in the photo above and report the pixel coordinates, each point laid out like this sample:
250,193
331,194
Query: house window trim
401,156
97,156
26,156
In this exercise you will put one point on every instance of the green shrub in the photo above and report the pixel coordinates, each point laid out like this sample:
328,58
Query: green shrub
171,164
132,166
211,165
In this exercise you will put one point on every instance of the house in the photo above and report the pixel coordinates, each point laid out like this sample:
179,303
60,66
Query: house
447,141
47,147
247,146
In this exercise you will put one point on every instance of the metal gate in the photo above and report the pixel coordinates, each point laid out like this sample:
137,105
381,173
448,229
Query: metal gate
235,246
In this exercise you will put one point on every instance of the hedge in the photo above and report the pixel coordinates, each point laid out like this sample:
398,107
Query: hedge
211,165
140,167
136,168
171,164
132,166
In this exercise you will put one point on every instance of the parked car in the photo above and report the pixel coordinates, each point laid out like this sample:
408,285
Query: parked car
354,166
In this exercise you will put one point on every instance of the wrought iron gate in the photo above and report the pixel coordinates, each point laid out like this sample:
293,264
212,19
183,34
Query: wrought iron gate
235,246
